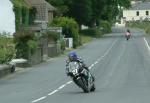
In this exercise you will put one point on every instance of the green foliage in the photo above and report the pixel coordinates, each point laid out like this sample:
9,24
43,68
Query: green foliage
81,11
20,3
63,45
26,43
139,24
24,14
105,26
145,25
32,15
7,48
60,5
53,35
89,12
70,28
92,32
85,38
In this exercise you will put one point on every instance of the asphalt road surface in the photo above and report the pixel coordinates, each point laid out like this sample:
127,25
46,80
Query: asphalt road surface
121,68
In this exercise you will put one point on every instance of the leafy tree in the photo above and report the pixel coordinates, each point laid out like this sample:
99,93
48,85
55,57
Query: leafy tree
70,28
89,12
81,11
60,5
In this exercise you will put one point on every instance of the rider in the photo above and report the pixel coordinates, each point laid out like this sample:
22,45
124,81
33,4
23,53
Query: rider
72,56
128,32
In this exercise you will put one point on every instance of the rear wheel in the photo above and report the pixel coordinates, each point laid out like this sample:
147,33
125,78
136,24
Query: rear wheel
93,88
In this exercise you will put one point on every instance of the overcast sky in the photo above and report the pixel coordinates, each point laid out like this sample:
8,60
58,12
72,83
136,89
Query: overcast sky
7,19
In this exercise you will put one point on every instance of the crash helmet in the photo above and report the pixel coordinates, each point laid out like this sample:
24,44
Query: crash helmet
72,55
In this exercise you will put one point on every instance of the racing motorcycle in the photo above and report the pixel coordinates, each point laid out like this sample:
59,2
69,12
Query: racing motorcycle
81,77
128,35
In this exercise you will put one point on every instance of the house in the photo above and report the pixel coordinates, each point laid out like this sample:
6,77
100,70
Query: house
138,11
44,11
32,12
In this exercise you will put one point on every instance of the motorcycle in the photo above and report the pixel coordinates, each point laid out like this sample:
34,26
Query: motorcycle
128,35
81,77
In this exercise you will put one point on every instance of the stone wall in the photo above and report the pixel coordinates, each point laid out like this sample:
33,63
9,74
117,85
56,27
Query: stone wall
4,70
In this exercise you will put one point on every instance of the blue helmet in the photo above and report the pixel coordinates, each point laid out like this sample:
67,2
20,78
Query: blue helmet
72,54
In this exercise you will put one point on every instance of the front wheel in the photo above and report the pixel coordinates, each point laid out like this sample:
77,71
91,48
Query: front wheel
85,86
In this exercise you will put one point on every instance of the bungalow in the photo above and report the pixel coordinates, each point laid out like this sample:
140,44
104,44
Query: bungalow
138,11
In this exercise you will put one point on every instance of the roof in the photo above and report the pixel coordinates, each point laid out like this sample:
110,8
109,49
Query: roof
33,2
38,2
50,7
141,6
20,3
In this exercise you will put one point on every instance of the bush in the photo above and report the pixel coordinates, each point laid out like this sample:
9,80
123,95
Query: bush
70,28
7,51
63,45
105,26
25,43
145,25
53,35
92,32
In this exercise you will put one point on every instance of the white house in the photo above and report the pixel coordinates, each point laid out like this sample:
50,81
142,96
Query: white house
138,11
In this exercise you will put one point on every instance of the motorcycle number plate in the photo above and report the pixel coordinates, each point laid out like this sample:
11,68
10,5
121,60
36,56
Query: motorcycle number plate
75,71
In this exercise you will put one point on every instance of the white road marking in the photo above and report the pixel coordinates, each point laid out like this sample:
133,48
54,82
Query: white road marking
92,65
69,82
39,99
62,86
96,62
53,92
147,44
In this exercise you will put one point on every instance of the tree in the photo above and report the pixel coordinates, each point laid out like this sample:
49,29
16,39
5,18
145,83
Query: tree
106,9
80,10
89,12
60,5
70,28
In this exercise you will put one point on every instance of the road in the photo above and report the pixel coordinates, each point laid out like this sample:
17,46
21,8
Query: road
121,68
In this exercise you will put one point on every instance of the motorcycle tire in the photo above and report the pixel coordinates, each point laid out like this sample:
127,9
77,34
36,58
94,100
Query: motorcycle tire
93,88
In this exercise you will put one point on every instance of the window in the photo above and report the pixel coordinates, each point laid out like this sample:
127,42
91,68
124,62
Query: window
137,13
147,13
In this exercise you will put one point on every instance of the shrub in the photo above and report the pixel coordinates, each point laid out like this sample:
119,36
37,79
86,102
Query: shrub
25,43
93,32
7,49
105,26
63,45
53,35
70,28
145,25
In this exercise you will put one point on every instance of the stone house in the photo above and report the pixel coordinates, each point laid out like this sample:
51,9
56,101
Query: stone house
44,11
138,11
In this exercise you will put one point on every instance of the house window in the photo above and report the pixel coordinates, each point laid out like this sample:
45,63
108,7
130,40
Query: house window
147,13
137,13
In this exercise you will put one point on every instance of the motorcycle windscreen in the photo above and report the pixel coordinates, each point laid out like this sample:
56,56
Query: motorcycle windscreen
73,66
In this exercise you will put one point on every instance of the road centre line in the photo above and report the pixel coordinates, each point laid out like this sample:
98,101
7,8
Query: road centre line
53,92
147,44
69,82
39,99
62,86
